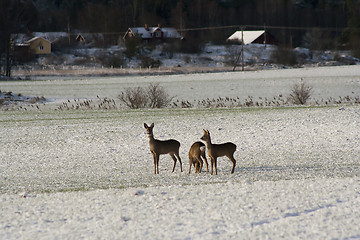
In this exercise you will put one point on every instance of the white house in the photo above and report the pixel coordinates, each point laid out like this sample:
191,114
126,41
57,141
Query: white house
152,33
260,36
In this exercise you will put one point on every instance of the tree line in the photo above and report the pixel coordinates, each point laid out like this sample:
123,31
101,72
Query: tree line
293,22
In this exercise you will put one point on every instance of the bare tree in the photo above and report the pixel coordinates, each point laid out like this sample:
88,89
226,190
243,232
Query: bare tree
232,57
14,15
158,97
300,93
134,97
154,96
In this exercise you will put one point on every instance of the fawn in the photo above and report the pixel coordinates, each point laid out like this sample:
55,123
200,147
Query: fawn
197,150
219,150
158,147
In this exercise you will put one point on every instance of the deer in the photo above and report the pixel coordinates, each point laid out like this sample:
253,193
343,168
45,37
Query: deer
196,153
218,150
158,147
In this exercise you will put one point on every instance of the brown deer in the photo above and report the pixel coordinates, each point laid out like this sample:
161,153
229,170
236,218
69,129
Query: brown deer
197,150
219,150
158,147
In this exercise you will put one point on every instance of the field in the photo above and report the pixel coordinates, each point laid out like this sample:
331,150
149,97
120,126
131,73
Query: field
88,174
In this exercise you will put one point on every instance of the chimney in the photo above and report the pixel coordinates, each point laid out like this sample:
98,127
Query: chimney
146,27
159,25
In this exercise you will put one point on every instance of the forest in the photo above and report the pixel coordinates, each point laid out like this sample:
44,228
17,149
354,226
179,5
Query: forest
326,24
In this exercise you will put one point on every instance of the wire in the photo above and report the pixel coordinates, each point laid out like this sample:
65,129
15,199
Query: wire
330,29
267,27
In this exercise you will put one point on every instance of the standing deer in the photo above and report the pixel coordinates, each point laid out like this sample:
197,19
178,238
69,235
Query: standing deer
158,147
197,150
219,150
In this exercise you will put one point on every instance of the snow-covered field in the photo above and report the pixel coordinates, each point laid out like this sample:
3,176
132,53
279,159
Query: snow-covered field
89,174
325,81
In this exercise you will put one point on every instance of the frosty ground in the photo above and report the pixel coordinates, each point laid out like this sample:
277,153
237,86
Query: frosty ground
89,174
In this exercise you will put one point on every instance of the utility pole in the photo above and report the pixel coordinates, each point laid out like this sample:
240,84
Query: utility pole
68,30
264,35
242,49
241,52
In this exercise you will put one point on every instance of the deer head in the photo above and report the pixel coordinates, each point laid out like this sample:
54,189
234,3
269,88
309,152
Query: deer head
206,135
149,130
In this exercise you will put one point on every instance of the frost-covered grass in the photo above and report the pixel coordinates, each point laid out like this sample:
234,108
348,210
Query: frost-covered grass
61,151
89,173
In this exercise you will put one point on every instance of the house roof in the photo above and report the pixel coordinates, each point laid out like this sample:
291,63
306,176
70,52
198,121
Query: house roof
248,36
89,37
35,38
168,32
21,38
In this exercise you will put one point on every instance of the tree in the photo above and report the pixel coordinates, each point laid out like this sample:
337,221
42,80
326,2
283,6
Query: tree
351,34
15,15
133,45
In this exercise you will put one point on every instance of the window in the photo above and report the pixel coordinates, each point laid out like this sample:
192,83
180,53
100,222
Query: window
158,34
41,47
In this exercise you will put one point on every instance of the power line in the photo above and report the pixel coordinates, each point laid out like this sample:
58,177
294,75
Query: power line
267,27
330,29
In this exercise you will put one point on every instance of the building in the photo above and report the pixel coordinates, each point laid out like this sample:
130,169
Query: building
152,33
39,46
38,43
249,37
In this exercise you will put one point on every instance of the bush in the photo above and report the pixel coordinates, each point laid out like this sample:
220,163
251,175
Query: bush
190,45
134,97
115,60
147,62
284,56
300,93
233,56
316,39
133,46
138,97
158,98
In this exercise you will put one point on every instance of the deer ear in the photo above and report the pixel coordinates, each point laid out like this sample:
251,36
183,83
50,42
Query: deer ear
204,130
145,125
207,132
152,125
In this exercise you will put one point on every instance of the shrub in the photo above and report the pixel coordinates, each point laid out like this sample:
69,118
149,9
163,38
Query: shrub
134,97
300,93
158,98
138,97
191,45
284,56
133,46
315,39
233,55
147,62
115,60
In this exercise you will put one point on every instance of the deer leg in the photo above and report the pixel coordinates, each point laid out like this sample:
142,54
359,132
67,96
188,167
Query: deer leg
215,166
196,164
200,164
174,158
155,163
178,156
212,164
190,163
207,165
232,159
